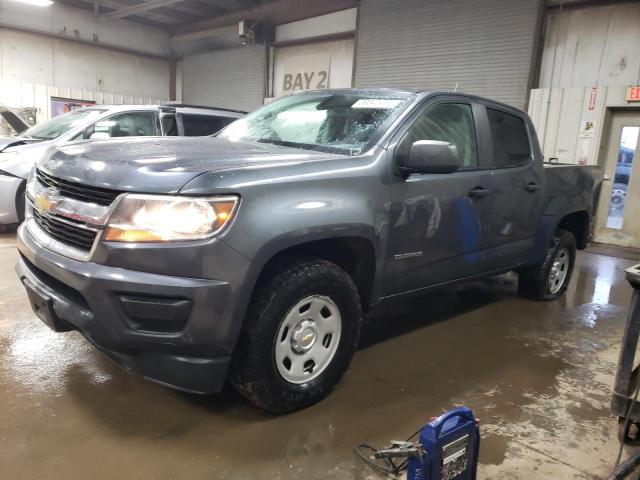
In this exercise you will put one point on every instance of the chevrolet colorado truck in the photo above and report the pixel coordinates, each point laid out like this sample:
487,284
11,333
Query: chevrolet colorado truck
251,256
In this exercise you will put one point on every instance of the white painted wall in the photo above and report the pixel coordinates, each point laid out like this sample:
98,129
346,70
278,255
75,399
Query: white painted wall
64,52
38,59
591,55
596,46
329,24
74,23
19,95
560,116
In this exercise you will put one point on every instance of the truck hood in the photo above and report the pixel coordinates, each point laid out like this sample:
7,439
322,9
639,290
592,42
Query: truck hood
165,165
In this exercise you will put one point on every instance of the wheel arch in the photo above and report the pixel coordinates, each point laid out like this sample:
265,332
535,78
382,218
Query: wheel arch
577,223
353,253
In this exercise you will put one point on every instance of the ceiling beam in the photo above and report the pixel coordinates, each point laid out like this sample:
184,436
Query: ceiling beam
140,8
276,11
107,6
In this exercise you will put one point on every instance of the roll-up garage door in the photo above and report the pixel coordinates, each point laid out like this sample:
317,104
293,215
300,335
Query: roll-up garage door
232,78
483,47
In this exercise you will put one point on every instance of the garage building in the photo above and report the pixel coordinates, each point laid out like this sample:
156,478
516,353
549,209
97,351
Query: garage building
539,375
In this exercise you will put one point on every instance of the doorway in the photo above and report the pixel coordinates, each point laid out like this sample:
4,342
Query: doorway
618,218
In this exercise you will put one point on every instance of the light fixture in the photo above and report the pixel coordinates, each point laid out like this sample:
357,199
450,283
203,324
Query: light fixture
35,3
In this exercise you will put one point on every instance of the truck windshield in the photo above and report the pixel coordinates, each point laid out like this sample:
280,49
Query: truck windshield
62,124
337,122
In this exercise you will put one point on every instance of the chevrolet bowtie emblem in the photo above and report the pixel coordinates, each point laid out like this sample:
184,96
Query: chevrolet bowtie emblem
43,202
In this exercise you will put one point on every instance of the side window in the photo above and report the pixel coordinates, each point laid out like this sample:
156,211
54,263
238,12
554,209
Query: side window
511,145
201,125
446,122
129,124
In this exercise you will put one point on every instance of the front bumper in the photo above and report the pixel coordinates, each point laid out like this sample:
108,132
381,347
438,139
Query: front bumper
174,330
9,187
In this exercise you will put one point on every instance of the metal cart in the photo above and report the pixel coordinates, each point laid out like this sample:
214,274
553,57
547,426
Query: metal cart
626,381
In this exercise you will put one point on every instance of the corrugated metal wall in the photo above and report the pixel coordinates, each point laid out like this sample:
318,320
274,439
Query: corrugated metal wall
483,46
232,78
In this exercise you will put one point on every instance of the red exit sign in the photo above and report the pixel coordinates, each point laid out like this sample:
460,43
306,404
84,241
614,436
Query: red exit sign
633,94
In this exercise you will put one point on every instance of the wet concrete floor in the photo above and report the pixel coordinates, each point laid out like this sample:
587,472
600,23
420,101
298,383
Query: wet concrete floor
538,375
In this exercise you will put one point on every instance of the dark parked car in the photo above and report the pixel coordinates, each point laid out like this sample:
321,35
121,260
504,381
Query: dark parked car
252,256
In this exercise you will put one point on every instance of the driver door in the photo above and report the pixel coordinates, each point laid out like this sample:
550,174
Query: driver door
439,222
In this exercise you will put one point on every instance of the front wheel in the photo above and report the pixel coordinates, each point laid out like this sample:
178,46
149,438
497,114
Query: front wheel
550,279
299,336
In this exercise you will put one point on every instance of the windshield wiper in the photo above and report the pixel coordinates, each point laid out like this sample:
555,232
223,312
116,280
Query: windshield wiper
305,146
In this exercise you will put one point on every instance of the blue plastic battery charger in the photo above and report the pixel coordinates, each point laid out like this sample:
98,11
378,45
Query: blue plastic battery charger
450,444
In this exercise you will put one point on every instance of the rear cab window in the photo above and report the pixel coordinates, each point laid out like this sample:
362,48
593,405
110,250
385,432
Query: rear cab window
510,138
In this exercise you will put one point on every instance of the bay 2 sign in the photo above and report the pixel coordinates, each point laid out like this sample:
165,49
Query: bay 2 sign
305,81
307,71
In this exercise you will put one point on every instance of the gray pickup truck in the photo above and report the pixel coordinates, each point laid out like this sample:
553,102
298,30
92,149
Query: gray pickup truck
253,255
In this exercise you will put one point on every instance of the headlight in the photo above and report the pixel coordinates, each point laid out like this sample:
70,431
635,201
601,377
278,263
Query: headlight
155,218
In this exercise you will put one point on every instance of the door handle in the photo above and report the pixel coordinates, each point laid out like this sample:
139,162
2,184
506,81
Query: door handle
532,187
479,192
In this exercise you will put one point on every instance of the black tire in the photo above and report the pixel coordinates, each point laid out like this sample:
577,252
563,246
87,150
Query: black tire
253,369
534,281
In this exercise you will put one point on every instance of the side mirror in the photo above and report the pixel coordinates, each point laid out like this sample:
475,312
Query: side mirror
431,156
99,136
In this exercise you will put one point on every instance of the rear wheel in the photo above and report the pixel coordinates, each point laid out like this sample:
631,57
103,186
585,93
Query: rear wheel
299,336
550,279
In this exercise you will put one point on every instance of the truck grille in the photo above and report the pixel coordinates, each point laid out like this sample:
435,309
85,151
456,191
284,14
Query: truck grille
66,231
86,193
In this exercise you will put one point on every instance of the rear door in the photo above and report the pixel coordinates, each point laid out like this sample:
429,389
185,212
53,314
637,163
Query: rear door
438,223
516,186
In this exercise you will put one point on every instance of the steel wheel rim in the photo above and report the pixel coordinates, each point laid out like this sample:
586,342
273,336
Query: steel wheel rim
308,339
559,270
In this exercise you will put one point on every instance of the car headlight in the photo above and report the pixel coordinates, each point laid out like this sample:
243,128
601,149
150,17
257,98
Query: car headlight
156,218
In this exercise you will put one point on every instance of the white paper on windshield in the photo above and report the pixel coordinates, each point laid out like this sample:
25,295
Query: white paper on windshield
381,103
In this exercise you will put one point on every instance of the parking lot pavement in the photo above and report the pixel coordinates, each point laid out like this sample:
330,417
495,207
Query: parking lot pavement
537,374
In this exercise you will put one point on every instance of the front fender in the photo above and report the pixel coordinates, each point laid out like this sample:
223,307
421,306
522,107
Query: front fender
289,205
